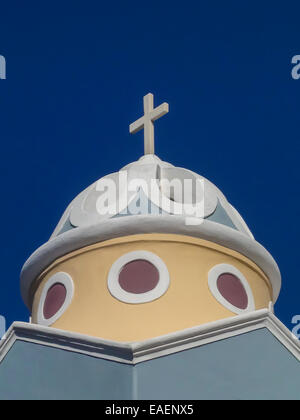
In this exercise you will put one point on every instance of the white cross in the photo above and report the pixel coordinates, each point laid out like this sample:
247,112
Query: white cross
146,122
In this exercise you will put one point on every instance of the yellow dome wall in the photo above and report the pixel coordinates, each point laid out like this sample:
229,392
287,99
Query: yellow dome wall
188,301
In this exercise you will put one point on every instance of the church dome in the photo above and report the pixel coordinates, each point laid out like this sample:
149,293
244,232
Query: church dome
149,196
157,247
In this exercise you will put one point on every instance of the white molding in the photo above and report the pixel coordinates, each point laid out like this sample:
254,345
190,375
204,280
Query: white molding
119,293
143,224
64,279
213,276
136,352
237,219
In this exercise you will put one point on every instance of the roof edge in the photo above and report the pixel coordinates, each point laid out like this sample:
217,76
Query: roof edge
136,352
143,224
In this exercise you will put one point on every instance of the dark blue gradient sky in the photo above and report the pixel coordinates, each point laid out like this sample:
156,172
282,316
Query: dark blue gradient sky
76,75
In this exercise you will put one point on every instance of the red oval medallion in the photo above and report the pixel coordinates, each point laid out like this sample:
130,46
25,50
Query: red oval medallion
55,299
232,289
138,276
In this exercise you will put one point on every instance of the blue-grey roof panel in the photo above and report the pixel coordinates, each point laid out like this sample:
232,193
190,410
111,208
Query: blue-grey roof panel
253,365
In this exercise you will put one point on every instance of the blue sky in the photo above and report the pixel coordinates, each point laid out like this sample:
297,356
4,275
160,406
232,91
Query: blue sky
76,75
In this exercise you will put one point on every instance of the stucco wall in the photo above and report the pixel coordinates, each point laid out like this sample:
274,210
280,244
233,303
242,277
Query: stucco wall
188,301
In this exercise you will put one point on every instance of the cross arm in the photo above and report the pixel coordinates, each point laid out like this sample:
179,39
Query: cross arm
137,125
159,111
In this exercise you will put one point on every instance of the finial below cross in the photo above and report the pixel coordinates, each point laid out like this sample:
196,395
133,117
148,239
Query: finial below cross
146,122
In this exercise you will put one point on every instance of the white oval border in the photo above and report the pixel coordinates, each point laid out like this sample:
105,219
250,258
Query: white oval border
127,297
67,281
213,276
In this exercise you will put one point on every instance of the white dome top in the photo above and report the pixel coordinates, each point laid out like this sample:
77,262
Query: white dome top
154,187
